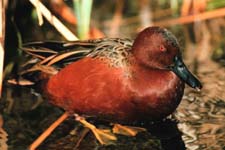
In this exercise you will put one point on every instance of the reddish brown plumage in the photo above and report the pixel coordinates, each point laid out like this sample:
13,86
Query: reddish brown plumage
120,82
90,87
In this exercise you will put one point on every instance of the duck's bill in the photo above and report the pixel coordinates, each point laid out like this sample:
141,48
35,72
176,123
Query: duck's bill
180,69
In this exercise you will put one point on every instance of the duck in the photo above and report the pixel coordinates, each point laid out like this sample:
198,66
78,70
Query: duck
117,80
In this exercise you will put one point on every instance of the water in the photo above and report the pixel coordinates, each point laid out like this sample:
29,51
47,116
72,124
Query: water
201,115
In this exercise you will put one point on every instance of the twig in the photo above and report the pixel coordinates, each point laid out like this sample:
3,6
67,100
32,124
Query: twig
192,18
54,21
48,131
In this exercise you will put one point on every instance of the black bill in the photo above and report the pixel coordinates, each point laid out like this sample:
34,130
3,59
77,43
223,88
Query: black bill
180,69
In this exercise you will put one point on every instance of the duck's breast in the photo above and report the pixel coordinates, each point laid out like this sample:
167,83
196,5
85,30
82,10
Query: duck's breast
157,93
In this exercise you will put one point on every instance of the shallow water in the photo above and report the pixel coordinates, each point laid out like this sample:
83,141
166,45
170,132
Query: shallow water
201,115
197,124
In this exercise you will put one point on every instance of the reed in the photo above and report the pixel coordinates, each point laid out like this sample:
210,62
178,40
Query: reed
82,10
2,40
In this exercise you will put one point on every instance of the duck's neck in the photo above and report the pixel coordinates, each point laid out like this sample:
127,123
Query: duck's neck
141,69
144,77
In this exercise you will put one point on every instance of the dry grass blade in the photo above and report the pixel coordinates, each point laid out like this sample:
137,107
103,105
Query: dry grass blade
40,18
54,21
2,40
21,82
1,66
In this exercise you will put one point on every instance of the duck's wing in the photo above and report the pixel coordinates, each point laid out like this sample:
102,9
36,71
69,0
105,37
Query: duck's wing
57,53
49,57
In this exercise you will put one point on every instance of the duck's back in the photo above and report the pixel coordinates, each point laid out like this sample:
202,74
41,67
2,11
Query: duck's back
50,57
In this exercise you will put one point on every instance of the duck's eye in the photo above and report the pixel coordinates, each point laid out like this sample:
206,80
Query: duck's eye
162,48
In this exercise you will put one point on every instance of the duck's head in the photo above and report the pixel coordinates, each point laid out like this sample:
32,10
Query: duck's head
158,48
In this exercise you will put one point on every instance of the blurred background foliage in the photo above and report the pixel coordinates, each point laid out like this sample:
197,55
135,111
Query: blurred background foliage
199,26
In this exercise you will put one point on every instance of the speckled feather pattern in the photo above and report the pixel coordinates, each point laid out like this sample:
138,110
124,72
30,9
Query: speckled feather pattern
115,50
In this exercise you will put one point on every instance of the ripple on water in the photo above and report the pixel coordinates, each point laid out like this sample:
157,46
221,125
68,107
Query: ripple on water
201,115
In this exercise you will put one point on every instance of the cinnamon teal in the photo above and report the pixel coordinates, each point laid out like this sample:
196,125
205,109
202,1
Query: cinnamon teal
113,79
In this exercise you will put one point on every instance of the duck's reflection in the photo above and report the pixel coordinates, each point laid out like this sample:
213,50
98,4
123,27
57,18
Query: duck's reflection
168,134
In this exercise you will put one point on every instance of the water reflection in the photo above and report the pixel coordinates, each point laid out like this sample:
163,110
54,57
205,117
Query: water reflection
168,133
201,115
